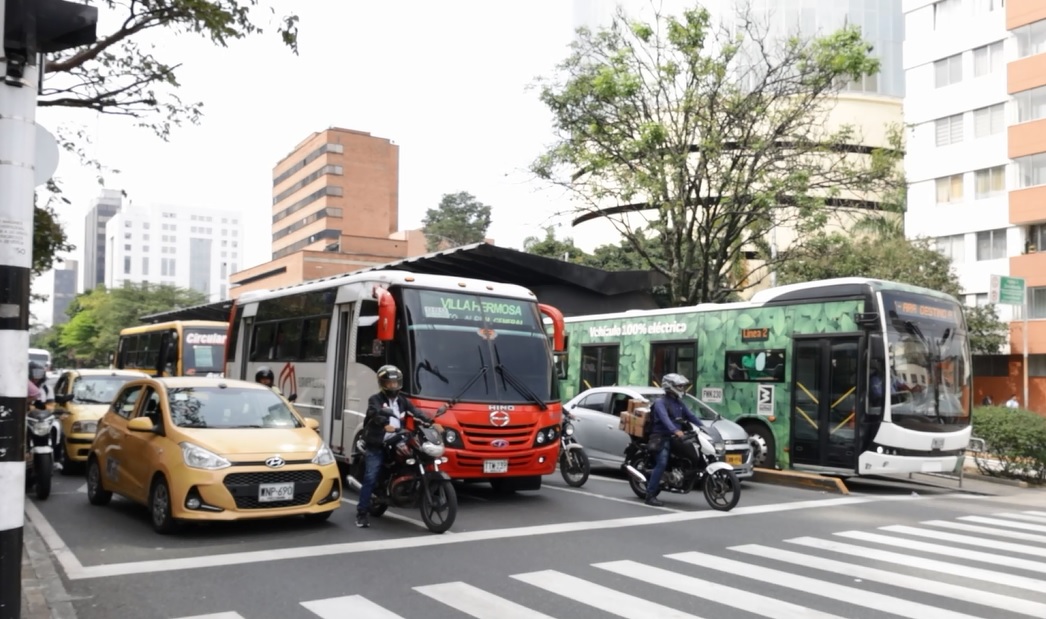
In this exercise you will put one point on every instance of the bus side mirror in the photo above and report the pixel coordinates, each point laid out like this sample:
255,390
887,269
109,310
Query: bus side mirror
386,314
867,320
561,365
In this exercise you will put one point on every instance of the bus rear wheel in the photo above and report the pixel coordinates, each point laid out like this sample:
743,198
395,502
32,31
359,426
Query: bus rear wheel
764,447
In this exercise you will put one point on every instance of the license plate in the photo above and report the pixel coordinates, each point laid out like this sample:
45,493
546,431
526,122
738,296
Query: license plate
733,459
268,493
495,466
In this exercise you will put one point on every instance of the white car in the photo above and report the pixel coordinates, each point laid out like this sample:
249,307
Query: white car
598,412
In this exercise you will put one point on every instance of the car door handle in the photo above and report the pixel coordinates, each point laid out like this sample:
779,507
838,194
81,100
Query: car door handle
610,425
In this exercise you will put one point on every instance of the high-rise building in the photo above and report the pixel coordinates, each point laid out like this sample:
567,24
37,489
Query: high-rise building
976,163
196,248
101,211
64,291
335,209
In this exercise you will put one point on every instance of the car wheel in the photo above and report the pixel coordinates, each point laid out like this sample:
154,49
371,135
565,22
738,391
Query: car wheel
96,492
762,443
160,507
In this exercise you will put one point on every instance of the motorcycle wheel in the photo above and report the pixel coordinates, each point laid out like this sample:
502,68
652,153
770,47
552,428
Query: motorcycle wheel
377,509
574,466
439,506
638,488
722,490
43,467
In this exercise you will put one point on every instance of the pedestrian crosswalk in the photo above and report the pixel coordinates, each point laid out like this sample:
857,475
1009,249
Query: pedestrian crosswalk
969,567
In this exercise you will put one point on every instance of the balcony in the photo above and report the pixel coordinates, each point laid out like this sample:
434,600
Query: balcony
1026,73
1031,266
1027,138
1028,206
1036,337
1023,12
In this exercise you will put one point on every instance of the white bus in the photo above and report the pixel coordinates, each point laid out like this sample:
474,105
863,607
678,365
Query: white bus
476,345
41,356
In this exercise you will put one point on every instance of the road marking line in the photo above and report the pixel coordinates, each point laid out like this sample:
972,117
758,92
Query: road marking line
597,596
966,539
478,603
65,556
972,528
850,595
355,606
999,522
229,615
395,516
1026,517
617,499
962,553
741,599
904,581
931,565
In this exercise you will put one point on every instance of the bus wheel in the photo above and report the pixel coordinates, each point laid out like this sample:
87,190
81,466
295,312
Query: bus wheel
764,448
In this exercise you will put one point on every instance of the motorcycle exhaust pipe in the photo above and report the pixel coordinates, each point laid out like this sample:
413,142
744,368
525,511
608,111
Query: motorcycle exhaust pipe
634,473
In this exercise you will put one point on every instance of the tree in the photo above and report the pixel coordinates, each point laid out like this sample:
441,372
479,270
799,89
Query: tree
551,247
98,316
460,219
895,259
122,74
717,137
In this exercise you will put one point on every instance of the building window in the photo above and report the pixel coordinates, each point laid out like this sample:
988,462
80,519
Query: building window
145,225
127,224
989,120
1031,39
987,6
948,71
945,13
953,247
989,182
991,244
987,59
1031,170
127,248
126,235
145,265
1037,302
1031,104
949,189
126,265
598,366
948,130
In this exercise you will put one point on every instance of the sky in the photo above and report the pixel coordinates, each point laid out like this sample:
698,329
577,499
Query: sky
449,82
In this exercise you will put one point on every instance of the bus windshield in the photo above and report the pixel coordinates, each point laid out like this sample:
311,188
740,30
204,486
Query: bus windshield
203,351
929,359
476,348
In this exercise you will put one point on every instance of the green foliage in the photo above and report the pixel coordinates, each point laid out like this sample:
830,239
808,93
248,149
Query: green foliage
460,219
1015,443
98,316
717,136
987,332
49,237
551,247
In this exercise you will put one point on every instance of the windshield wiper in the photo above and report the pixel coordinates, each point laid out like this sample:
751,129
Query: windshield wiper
481,372
517,384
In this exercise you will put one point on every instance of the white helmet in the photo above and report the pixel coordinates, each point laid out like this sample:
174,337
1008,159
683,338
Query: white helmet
675,384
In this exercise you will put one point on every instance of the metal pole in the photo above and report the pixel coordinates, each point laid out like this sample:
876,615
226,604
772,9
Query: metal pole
1024,335
17,185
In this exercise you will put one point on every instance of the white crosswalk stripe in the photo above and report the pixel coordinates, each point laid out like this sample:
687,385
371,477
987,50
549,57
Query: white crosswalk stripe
898,559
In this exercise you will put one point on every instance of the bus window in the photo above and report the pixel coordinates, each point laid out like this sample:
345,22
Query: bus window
755,365
669,357
288,340
314,339
370,351
599,366
263,342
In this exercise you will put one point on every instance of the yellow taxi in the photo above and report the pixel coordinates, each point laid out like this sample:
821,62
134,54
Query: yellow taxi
196,448
81,397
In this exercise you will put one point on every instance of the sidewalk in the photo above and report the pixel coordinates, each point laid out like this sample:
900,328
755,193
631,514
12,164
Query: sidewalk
43,594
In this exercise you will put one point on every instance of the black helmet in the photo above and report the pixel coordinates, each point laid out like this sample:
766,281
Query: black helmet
264,373
675,384
37,373
390,379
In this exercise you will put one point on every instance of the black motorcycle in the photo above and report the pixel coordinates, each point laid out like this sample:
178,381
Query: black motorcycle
39,452
411,477
693,460
573,461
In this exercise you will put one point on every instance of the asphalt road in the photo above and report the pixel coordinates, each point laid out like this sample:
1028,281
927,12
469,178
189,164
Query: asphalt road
886,550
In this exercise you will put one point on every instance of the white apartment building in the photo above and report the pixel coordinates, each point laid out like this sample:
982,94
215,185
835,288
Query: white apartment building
958,109
196,248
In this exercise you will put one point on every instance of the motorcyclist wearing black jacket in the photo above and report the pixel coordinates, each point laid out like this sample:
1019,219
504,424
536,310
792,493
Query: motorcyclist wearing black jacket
387,411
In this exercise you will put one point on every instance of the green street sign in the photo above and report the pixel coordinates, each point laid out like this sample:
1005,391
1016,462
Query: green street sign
1007,290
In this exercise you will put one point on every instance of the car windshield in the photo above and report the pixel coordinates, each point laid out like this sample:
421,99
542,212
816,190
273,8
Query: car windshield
477,348
97,389
928,355
203,351
229,407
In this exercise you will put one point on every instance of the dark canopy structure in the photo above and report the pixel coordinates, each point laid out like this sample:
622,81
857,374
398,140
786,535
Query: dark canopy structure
575,289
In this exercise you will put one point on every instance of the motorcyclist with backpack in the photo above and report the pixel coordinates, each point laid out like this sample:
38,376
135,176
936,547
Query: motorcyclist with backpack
666,412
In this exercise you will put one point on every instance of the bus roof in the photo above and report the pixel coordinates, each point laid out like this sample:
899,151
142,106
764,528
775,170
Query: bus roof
39,351
401,278
174,323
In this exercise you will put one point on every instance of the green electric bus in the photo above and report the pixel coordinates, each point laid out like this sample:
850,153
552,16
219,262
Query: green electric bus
852,375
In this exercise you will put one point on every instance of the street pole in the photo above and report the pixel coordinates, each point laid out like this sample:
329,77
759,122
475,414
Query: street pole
1024,335
17,185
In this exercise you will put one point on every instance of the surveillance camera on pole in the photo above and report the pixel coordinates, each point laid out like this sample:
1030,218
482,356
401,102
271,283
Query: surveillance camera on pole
30,28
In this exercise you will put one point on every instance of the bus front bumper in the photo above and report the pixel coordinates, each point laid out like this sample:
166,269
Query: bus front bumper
462,464
872,463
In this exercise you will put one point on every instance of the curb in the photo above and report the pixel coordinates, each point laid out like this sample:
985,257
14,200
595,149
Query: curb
798,479
43,593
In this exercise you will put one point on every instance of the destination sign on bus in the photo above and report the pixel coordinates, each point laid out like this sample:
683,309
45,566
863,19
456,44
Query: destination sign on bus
911,309
475,309
203,338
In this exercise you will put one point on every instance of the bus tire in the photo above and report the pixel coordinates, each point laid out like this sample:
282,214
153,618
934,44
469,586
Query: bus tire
762,443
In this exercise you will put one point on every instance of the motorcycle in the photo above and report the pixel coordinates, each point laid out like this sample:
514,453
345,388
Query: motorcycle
412,478
573,461
39,452
693,460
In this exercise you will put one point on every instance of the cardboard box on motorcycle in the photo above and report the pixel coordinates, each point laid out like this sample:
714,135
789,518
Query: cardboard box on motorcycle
633,420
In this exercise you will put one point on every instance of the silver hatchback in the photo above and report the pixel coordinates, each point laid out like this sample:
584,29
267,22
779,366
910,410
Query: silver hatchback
598,413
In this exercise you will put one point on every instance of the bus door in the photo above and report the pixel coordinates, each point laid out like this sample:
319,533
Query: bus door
341,343
824,401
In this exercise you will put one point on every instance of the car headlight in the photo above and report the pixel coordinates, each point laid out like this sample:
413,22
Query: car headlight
84,427
40,428
434,450
324,455
199,458
720,447
568,428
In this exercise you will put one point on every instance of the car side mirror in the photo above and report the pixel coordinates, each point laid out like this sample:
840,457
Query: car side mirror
141,424
312,424
293,397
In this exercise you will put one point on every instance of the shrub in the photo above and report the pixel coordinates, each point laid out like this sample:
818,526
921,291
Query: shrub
1015,443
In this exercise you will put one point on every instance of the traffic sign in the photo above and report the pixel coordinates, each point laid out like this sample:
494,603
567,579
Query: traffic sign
1006,290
